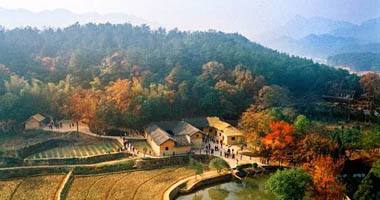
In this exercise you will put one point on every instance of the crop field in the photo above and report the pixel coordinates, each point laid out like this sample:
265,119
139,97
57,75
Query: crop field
148,184
36,188
7,188
77,151
80,147
18,141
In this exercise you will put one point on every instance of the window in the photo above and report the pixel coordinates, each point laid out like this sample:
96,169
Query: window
197,135
166,148
233,138
220,134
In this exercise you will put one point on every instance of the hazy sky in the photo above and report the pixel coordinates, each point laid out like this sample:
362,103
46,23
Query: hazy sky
242,16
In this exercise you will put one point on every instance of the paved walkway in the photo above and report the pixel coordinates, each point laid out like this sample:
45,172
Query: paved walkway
190,182
239,158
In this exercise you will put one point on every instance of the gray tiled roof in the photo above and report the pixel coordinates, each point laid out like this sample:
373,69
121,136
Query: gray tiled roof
177,131
158,135
200,122
178,127
181,140
37,117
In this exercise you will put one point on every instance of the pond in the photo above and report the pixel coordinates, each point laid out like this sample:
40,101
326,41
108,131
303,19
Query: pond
249,188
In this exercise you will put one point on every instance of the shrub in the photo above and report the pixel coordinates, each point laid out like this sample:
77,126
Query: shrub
255,165
289,184
219,164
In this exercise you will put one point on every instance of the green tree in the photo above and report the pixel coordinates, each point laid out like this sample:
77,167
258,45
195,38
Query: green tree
289,184
274,96
369,187
301,125
219,164
196,166
371,141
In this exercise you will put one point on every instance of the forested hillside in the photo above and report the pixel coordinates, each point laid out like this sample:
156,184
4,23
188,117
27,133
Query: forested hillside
121,75
357,61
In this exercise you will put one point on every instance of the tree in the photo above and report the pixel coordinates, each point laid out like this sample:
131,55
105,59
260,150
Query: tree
254,123
311,146
280,140
369,187
82,105
274,96
301,125
213,70
196,166
325,172
219,164
351,139
371,141
371,85
289,184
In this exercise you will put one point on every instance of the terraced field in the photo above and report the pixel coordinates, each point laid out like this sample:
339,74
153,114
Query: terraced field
80,147
36,188
19,141
131,185
77,151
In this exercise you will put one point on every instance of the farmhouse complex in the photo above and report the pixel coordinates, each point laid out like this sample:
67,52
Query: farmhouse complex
179,137
36,121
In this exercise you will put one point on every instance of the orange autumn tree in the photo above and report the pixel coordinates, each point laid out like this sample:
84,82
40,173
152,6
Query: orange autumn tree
120,93
324,172
280,140
82,106
123,94
255,124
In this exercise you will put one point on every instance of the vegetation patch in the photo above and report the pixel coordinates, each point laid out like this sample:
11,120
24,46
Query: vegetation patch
149,184
38,188
7,188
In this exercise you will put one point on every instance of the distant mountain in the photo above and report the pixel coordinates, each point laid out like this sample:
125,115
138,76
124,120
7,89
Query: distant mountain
300,27
368,31
323,46
322,38
12,18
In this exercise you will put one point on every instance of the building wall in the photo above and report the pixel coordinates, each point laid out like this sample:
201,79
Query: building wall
153,145
228,140
172,148
32,124
196,139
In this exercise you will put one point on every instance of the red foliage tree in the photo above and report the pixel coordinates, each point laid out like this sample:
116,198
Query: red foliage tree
280,140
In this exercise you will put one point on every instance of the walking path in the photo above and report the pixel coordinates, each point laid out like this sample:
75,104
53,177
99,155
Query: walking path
188,184
239,158
84,129
75,165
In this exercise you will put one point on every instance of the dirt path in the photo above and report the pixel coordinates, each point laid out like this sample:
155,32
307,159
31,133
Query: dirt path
80,165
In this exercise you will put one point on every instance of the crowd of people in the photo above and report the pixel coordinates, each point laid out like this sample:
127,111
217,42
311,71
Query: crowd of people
215,147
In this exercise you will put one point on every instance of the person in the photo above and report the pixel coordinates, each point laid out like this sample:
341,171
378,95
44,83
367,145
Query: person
237,161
